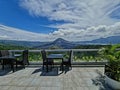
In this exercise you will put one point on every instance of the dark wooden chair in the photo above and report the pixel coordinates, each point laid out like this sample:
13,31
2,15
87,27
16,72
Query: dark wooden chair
5,53
67,62
0,56
24,61
45,60
8,59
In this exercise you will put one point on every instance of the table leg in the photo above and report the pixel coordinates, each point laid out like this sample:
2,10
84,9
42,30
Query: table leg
47,65
12,65
3,64
62,65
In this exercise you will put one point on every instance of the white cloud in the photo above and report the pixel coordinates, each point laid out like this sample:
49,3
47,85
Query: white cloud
10,33
83,12
91,33
70,34
85,20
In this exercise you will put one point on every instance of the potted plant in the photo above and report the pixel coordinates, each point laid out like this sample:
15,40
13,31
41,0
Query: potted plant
112,68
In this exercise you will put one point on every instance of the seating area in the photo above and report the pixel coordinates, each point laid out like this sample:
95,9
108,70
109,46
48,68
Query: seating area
49,76
45,60
24,61
67,62
7,59
49,60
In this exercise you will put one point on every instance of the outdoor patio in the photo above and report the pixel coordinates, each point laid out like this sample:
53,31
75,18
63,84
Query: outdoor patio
34,78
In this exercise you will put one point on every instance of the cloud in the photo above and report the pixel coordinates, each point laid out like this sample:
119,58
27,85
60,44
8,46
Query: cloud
91,33
70,34
83,12
10,33
84,20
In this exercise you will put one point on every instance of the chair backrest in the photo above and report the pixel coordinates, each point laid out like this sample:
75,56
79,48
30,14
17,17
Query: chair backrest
0,54
25,57
5,53
70,56
43,52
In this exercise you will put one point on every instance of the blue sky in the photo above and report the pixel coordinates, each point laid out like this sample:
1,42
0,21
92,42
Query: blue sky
73,20
15,16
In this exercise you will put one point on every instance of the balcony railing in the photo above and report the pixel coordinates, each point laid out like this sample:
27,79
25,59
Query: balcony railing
78,55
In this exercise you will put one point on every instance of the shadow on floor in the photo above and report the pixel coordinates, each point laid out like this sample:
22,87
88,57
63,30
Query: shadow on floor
37,70
67,69
51,72
100,81
7,70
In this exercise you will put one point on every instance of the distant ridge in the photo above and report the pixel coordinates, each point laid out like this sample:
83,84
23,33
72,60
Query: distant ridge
108,40
21,43
61,43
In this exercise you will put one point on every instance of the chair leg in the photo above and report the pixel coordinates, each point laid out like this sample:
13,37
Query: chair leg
12,65
3,65
53,65
47,67
70,66
24,66
62,67
16,64
43,66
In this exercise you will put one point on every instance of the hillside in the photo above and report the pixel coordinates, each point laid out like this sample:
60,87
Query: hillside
61,43
21,43
12,47
108,40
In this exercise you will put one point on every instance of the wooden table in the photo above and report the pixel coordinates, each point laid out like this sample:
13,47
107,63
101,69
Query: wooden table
55,56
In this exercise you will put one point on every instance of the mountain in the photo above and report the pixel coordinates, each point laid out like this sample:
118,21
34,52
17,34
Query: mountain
58,43
108,40
61,43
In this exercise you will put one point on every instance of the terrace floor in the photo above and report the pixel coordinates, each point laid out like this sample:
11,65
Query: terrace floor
34,78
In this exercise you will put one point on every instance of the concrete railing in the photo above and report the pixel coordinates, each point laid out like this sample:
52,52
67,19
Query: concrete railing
66,50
